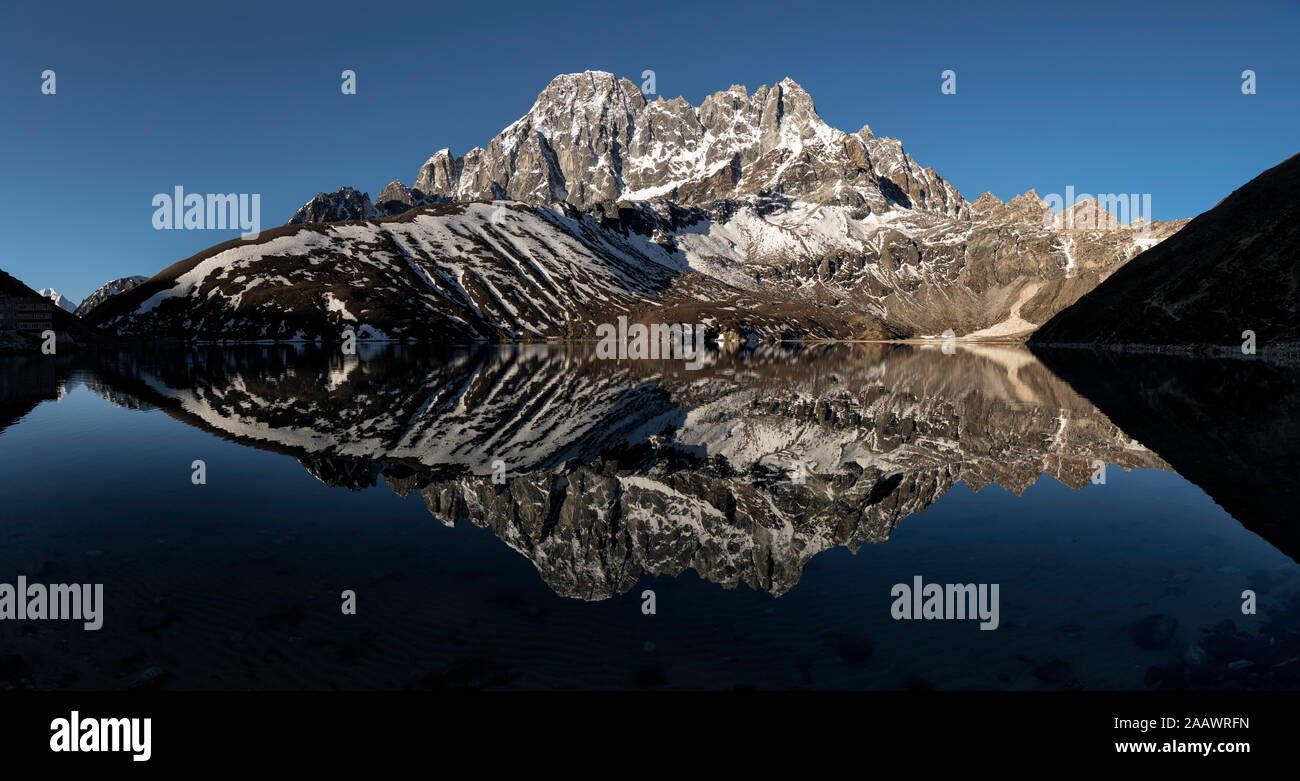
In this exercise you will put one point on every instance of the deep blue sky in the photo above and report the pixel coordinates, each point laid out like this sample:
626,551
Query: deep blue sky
234,97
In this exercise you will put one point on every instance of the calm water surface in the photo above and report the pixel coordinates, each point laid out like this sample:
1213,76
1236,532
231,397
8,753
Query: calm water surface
375,473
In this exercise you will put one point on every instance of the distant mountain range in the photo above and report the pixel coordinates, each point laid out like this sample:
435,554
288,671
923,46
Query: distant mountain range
747,213
99,296
58,299
71,329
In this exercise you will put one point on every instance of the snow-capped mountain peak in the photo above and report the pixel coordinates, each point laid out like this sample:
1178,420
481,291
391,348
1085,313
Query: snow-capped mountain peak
58,299
747,211
593,138
107,291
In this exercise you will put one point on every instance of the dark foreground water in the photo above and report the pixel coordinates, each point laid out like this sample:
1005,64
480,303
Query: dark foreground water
501,513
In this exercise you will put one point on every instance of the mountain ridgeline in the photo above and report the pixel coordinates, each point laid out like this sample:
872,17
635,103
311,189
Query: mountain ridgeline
107,291
747,213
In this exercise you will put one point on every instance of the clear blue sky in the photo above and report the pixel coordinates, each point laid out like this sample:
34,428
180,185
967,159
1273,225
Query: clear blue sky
244,97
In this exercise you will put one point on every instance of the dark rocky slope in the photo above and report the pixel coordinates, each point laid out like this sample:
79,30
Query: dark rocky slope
1232,269
71,331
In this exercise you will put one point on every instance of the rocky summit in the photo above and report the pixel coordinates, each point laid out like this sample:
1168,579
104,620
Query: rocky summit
747,213
107,291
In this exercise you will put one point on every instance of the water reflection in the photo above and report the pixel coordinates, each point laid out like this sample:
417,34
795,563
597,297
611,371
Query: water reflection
743,471
1231,425
616,473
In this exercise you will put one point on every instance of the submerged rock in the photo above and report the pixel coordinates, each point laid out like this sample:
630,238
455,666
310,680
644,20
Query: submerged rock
1155,631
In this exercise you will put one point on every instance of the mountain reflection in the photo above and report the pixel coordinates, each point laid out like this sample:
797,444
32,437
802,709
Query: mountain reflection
1231,425
607,471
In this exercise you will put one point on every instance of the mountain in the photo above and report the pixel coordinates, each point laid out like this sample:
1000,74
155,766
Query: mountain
59,301
106,291
1234,268
349,204
345,204
71,330
467,271
591,138
747,213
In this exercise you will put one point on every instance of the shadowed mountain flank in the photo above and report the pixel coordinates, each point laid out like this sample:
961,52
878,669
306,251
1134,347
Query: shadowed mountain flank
1232,269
